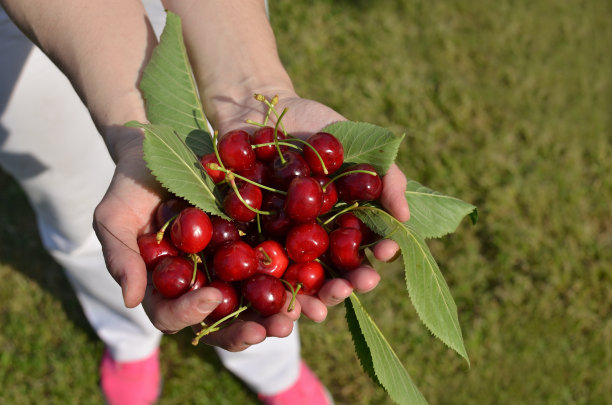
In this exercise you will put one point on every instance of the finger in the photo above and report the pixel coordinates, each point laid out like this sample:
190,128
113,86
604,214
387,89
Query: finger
363,279
393,196
386,250
335,291
313,307
238,336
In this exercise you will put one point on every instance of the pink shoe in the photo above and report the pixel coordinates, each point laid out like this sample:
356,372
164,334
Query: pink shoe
307,390
130,383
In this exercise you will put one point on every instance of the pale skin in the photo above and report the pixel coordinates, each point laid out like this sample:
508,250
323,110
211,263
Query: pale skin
233,52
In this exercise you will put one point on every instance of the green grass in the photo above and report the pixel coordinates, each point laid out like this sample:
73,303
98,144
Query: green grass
506,105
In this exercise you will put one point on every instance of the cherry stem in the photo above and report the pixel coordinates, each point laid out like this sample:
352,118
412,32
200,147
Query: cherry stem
194,258
235,188
160,234
294,292
347,173
259,145
278,121
327,268
325,171
271,104
215,326
345,210
215,136
266,255
208,277
215,166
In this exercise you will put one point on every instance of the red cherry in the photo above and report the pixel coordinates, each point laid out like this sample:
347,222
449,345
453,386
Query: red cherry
344,250
330,149
217,176
271,258
235,150
200,281
236,209
350,220
304,199
310,275
235,261
223,231
259,173
167,210
191,230
306,242
278,222
152,251
265,293
330,195
359,186
172,276
294,166
229,302
266,135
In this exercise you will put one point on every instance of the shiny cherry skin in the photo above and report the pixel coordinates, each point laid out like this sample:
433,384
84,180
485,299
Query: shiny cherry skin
271,258
329,148
344,250
235,150
294,166
265,135
350,220
304,199
191,230
259,173
169,209
172,276
309,275
265,293
235,261
278,222
229,301
306,242
152,251
233,207
223,231
330,195
359,186
200,281
217,176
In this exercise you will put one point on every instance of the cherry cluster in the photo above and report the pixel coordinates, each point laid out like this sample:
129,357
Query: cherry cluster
289,201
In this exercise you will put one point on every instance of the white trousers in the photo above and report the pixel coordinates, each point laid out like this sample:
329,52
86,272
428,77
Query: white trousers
49,144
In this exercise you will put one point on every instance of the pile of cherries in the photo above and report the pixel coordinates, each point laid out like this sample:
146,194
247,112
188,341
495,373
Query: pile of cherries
289,201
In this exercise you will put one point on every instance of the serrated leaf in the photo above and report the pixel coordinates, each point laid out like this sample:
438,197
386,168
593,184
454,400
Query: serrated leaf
170,91
379,357
426,286
366,143
178,169
432,214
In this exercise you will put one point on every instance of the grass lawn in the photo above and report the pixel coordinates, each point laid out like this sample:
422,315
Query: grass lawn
506,105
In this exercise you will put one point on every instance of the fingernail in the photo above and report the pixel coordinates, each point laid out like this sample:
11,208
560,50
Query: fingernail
206,307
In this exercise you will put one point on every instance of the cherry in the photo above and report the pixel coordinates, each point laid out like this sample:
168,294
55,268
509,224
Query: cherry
304,199
359,186
344,250
306,242
200,281
271,258
265,293
236,209
229,301
278,222
153,251
235,261
283,173
330,195
167,210
172,276
309,275
191,230
235,150
223,231
259,173
350,220
329,148
217,176
266,135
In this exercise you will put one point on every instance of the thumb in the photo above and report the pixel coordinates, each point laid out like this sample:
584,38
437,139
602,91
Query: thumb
393,195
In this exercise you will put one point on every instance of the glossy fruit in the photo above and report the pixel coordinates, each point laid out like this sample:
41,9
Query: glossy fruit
172,276
294,166
306,242
266,135
217,176
349,220
359,186
235,261
229,301
169,209
235,150
191,230
200,281
330,195
271,258
278,222
265,293
259,173
304,199
236,209
223,231
152,251
330,150
344,250
309,275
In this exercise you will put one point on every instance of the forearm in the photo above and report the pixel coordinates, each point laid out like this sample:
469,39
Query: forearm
232,49
101,46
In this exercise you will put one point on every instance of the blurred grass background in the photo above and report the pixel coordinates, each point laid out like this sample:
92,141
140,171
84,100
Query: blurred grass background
506,105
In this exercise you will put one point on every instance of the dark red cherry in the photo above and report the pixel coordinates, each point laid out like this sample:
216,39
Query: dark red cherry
229,302
200,281
344,250
172,276
259,173
303,200
330,195
223,231
235,208
266,135
235,150
350,220
294,166
359,186
191,230
271,258
217,176
330,149
265,293
278,222
167,210
306,242
152,251
235,261
310,275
